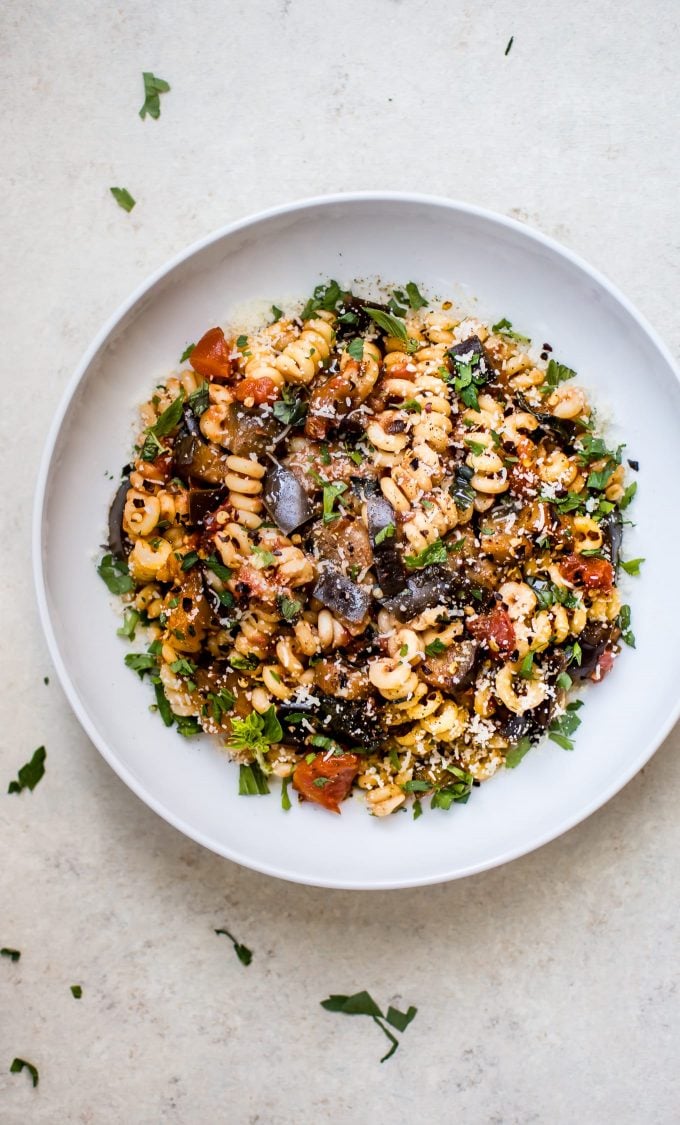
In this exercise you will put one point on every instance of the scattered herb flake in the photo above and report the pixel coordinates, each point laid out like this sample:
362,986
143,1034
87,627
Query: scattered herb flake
242,952
251,781
116,575
516,753
415,297
130,623
509,46
285,799
13,954
20,1064
434,553
386,532
356,349
153,88
31,773
76,991
123,198
632,566
277,313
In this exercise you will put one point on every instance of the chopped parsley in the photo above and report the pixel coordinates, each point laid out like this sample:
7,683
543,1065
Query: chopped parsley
285,799
251,781
331,493
624,625
31,773
417,786
417,808
189,560
356,349
468,378
415,297
558,373
434,553
199,400
325,297
363,1004
526,668
130,623
516,753
141,662
186,353
242,952
628,495
76,991
392,326
386,532
241,341
290,408
277,313
435,647
116,574
20,1064
153,88
560,730
218,568
264,557
504,328
289,608
256,734
123,198
509,46
632,566
13,954
164,425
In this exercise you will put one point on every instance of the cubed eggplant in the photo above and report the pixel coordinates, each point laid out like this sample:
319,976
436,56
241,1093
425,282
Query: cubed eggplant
387,561
342,596
194,460
288,503
451,670
119,544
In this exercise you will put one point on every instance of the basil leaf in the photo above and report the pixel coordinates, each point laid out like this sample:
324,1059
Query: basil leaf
389,324
20,1064
153,87
504,327
169,418
164,709
31,773
223,572
558,373
252,781
400,1020
435,553
130,623
185,355
632,566
123,198
359,1004
415,298
199,400
116,575
516,753
356,349
242,952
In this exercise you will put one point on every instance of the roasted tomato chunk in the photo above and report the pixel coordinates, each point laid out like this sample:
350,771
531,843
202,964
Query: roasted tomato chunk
326,781
210,357
254,392
604,665
594,574
496,630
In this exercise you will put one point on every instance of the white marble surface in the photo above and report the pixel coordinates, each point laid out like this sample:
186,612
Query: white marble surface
547,990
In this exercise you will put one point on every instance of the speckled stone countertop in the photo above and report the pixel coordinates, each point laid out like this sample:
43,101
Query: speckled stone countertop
547,990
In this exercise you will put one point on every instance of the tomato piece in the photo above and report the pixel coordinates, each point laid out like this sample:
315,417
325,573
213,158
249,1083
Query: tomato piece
496,630
210,357
594,574
258,390
327,782
604,665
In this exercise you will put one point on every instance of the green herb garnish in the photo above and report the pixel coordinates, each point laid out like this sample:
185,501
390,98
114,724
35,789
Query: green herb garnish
153,88
13,954
277,313
285,799
31,773
256,734
435,647
504,327
130,623
116,575
386,532
242,952
251,781
356,349
218,568
331,493
632,566
415,297
76,991
184,357
123,198
362,1004
434,553
516,753
289,608
558,373
392,326
20,1064
265,557
199,400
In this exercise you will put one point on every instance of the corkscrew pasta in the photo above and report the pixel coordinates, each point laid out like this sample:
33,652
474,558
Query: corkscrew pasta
372,546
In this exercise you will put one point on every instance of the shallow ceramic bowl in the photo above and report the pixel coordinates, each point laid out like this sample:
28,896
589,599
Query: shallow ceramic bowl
449,249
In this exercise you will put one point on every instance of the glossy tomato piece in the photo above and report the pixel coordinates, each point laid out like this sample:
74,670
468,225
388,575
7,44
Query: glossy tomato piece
210,357
257,390
326,781
594,574
604,665
496,630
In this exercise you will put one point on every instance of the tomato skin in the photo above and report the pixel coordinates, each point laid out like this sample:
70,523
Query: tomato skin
259,390
340,770
496,630
594,574
210,357
604,665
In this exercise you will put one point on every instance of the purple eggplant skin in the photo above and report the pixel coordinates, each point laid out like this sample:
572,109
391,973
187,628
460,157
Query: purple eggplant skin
534,723
612,532
203,501
355,722
387,562
287,502
436,585
562,429
119,544
194,460
593,640
342,596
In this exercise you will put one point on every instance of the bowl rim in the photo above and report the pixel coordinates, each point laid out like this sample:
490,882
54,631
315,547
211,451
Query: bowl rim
650,746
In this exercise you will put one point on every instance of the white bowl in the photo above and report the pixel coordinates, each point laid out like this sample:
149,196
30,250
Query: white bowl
450,249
